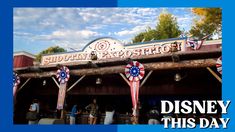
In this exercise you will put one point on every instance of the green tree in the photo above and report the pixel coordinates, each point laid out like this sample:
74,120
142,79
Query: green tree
148,35
210,20
167,27
139,37
50,50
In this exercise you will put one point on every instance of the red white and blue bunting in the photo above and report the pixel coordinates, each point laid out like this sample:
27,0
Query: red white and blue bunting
195,44
219,65
63,74
16,82
63,77
134,72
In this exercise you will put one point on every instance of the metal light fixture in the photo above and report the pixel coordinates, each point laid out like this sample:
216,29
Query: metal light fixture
98,81
44,82
94,55
177,77
174,47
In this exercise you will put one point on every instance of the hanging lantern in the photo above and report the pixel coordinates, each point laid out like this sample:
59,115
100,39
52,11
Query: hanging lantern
63,74
98,81
177,77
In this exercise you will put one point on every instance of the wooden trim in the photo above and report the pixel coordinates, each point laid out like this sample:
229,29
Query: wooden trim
214,74
193,54
24,84
125,79
156,66
57,84
146,78
80,79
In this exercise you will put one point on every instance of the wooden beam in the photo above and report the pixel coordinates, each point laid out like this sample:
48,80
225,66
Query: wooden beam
57,84
124,78
75,83
214,74
189,54
186,64
23,84
146,78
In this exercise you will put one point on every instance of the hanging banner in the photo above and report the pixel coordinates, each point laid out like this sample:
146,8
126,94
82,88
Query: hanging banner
134,86
16,82
134,72
61,96
219,65
63,77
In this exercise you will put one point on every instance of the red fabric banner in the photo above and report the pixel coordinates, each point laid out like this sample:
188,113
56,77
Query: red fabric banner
14,90
61,96
134,86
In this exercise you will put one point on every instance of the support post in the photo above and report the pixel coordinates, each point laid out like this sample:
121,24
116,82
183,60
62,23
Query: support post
23,84
62,114
75,83
214,74
56,82
125,79
146,78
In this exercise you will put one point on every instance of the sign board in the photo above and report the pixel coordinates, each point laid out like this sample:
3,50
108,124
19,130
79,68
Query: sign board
109,48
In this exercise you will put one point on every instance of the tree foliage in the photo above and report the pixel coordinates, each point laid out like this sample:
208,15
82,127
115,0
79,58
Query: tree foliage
209,22
167,27
50,50
148,35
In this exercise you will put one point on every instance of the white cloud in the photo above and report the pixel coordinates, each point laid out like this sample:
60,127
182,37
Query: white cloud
69,26
68,37
63,38
131,32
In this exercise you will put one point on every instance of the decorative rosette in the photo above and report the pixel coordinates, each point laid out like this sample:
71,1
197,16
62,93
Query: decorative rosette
16,79
134,71
219,65
63,74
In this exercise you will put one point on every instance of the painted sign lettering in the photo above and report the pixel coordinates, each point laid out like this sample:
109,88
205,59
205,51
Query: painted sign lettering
108,48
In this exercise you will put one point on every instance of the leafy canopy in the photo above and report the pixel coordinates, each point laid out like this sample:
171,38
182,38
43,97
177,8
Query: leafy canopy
210,21
50,50
167,27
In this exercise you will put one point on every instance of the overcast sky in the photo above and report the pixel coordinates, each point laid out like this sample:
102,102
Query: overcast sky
36,29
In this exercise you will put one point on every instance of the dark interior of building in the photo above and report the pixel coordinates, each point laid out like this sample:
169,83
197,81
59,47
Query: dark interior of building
195,84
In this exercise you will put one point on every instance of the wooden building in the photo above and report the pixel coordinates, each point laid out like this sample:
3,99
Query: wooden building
163,60
23,59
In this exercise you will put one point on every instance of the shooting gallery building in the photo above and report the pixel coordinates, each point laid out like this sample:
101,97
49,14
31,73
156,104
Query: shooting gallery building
173,70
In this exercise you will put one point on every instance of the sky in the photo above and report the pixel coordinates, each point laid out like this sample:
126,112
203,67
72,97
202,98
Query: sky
36,29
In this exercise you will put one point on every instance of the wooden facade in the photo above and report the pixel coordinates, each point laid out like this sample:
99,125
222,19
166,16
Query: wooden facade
197,84
23,59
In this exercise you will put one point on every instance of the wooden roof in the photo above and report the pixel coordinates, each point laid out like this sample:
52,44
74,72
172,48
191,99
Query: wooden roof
176,60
